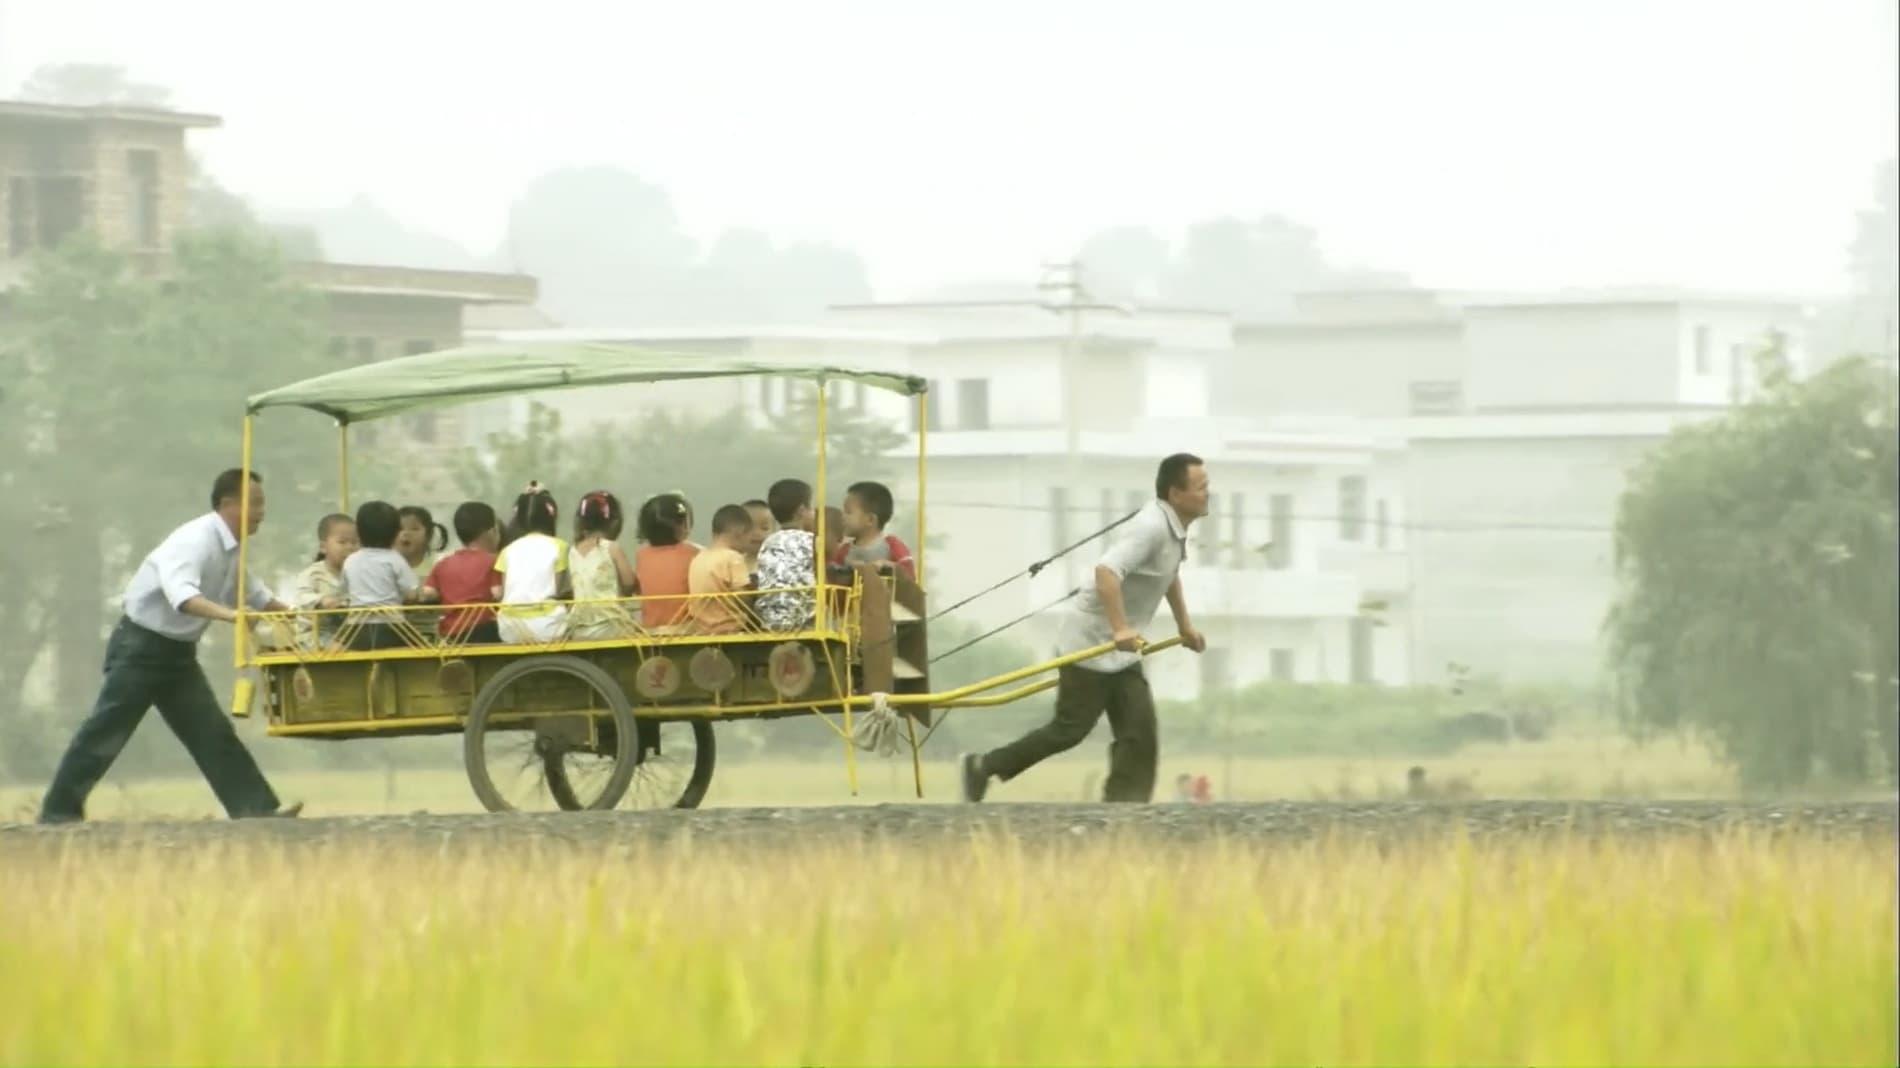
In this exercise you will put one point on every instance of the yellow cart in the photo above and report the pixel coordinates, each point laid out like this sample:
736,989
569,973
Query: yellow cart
593,724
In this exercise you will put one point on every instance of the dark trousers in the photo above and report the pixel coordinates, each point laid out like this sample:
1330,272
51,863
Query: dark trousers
371,636
1081,698
144,669
487,632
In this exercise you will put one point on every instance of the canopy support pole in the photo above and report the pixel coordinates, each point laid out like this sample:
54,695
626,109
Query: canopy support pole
239,644
820,554
342,466
923,480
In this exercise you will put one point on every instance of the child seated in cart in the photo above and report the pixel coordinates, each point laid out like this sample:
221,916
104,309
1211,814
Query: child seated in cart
532,570
867,511
378,580
320,585
786,559
466,576
661,565
718,572
599,570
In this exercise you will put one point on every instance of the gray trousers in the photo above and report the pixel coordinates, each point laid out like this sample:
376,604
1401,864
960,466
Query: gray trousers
1082,696
144,669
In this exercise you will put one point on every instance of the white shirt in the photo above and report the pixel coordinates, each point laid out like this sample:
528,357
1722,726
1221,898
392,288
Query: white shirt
1146,555
530,569
199,559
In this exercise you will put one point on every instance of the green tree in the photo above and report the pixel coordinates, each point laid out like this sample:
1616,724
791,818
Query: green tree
91,85
129,397
1757,600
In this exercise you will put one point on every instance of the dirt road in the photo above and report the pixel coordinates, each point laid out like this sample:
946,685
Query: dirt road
1031,824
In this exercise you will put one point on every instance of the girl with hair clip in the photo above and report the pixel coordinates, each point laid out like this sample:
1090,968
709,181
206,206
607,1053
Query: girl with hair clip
661,566
599,570
531,573
420,540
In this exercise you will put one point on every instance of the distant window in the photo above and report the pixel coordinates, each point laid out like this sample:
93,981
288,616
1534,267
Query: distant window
141,168
417,348
1279,665
365,349
1280,531
1702,362
1237,523
1381,524
1437,397
61,202
765,395
857,396
339,347
1108,507
1137,500
1361,652
1737,373
20,216
422,427
1352,508
1058,518
973,404
1215,673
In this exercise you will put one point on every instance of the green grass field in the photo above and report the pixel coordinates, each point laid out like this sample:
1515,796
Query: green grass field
1740,949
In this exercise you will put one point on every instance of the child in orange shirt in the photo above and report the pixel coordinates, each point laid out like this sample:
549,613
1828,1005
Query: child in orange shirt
661,566
721,569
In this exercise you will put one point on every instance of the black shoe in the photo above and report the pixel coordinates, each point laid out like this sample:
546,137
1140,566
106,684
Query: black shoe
976,781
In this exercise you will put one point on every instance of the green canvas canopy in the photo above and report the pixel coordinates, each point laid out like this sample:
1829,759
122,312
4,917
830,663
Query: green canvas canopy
474,372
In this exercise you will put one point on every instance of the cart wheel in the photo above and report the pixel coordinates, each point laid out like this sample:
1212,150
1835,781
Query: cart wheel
509,762
674,767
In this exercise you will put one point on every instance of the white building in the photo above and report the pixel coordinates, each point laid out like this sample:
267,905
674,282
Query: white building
1523,419
1299,573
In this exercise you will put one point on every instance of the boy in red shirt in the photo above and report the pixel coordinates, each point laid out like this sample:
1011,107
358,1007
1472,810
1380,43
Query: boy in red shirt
867,509
465,576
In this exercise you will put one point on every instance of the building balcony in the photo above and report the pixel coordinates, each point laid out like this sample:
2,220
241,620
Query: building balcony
1269,594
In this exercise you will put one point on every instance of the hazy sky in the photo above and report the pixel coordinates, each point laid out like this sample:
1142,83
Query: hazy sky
1486,143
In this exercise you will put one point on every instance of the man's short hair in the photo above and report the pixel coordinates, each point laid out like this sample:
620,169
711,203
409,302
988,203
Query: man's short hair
225,486
756,503
1173,473
875,498
731,519
786,497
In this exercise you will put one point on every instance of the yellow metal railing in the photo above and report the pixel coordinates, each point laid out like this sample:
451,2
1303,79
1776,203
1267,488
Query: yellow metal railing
325,635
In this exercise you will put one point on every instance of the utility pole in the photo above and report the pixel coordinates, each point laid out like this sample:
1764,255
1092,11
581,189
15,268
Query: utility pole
1063,280
1068,296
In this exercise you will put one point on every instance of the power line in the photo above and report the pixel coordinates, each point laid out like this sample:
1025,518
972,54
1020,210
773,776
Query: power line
1488,526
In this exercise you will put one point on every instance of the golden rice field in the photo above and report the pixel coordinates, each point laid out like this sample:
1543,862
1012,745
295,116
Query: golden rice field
1737,948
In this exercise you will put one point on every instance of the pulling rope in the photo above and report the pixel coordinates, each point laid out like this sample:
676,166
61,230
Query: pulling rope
1025,617
1035,569
1031,571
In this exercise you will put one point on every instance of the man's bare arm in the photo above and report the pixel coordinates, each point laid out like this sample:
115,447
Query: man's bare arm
1177,603
1108,587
